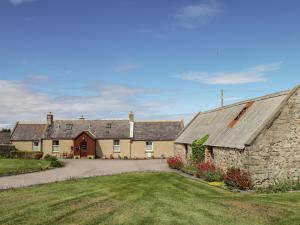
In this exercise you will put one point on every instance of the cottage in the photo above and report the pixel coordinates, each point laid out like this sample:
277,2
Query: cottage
98,138
261,136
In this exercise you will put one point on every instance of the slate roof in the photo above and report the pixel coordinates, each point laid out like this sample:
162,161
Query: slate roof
25,131
215,122
157,130
4,138
100,129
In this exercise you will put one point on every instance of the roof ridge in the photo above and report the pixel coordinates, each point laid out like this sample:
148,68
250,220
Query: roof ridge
260,98
156,121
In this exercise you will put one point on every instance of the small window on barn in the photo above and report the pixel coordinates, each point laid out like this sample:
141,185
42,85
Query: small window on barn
108,126
107,132
241,113
69,126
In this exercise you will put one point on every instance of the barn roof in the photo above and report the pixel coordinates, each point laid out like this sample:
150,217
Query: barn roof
223,132
157,130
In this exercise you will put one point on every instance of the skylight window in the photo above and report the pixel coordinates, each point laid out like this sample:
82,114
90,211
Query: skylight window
69,126
108,125
242,112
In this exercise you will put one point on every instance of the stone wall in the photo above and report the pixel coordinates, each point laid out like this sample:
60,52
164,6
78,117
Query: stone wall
275,154
225,158
183,150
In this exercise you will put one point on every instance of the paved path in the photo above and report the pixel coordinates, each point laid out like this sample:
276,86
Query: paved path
83,168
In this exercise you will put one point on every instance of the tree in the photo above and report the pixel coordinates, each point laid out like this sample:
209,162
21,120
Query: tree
198,149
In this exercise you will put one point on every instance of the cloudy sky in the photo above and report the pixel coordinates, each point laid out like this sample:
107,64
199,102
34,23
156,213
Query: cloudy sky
162,59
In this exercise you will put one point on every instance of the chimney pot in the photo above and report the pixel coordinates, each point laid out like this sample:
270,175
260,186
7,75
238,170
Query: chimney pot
131,116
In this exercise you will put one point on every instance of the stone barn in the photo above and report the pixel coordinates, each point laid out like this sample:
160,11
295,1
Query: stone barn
261,136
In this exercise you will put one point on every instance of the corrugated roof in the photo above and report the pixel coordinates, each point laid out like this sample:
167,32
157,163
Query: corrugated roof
215,122
157,130
4,138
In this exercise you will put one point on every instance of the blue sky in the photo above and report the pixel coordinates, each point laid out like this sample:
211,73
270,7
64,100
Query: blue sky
163,59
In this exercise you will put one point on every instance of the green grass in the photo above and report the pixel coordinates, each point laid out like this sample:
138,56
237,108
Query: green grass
18,166
144,198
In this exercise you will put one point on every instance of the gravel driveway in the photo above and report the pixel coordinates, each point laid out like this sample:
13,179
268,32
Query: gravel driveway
83,168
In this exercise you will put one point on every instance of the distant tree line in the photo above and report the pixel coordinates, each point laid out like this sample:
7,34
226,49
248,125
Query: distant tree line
5,130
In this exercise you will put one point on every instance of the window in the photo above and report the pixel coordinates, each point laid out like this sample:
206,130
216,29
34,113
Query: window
35,146
108,126
116,147
69,126
149,146
242,112
55,146
83,146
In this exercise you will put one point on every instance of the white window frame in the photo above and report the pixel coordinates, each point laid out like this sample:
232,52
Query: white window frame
147,146
116,148
55,148
34,147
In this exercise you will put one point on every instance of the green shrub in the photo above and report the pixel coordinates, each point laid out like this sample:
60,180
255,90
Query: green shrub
26,154
54,162
50,157
213,176
282,186
198,149
189,168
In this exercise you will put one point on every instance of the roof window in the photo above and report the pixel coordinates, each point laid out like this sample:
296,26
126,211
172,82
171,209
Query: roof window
69,126
242,112
108,125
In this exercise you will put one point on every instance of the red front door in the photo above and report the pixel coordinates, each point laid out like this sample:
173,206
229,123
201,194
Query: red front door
83,149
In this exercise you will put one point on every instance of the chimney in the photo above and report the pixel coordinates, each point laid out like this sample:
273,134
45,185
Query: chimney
49,119
131,116
131,124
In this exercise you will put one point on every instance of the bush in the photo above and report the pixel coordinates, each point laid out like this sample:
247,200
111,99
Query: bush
111,156
237,178
209,172
189,168
175,162
282,186
38,155
26,154
54,162
50,157
198,149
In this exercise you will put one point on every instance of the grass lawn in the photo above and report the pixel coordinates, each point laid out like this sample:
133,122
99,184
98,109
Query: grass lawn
144,198
17,166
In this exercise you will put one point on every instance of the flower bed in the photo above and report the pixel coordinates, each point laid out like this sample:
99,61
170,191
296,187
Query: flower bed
175,162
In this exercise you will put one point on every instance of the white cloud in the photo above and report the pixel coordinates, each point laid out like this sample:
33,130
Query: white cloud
249,75
23,102
18,2
125,68
193,16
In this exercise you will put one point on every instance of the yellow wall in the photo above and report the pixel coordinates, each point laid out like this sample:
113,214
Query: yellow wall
64,146
23,145
104,148
165,148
